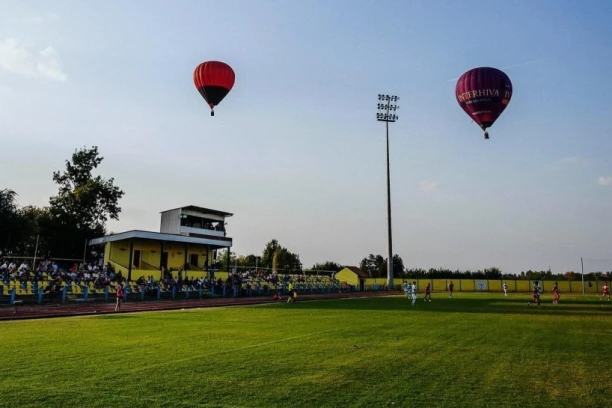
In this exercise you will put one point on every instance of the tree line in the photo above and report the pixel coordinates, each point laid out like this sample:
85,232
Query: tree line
78,212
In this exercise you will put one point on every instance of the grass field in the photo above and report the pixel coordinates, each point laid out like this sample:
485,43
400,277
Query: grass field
476,350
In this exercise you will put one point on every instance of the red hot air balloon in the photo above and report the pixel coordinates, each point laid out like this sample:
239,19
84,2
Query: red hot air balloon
483,93
214,79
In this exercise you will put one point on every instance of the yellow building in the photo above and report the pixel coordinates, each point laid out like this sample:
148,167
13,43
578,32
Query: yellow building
352,276
189,238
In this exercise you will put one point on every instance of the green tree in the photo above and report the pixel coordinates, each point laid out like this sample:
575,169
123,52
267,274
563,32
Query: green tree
374,265
221,259
493,273
82,206
326,266
569,275
251,260
286,260
367,265
10,223
267,257
31,220
19,226
398,266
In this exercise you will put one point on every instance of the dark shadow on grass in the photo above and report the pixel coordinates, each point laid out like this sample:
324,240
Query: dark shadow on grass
458,305
118,316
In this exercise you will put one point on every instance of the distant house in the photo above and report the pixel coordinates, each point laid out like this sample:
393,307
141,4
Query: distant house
353,276
189,238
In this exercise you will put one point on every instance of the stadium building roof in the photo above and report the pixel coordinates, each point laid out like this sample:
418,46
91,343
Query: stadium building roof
202,210
211,240
358,271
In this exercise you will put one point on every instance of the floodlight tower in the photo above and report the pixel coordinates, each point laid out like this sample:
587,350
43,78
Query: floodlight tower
387,107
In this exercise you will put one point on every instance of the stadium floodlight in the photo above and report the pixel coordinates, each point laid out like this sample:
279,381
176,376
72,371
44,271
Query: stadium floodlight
388,104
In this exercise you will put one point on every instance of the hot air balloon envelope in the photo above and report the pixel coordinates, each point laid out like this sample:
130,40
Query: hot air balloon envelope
214,80
483,93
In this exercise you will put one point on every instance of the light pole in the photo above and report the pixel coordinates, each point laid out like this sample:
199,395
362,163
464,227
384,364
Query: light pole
387,107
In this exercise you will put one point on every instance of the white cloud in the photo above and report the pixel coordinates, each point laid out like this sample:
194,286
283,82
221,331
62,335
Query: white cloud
428,185
604,181
17,59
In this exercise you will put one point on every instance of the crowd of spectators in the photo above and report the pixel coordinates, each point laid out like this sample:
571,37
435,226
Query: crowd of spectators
83,273
99,276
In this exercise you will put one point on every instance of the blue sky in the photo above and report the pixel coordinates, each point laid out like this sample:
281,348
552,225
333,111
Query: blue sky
295,151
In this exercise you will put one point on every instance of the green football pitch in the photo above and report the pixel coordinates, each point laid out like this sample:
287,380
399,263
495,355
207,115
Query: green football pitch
475,350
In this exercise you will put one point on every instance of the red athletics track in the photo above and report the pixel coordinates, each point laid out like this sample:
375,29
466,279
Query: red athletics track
47,311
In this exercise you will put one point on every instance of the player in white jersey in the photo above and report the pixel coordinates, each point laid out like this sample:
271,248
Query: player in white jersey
407,288
414,292
505,286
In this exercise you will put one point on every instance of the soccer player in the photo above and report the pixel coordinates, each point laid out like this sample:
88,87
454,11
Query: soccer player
407,288
451,286
414,292
606,291
505,289
556,293
427,292
119,297
536,296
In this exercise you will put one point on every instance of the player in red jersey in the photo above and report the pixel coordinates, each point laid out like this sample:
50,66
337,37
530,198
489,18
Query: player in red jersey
536,295
119,297
556,293
428,292
606,291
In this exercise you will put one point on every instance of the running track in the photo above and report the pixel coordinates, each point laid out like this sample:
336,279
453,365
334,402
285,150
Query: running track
48,311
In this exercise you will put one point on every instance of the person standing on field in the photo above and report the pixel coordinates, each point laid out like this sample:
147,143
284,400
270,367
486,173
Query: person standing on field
414,292
606,291
119,297
556,293
407,288
505,286
451,287
428,292
536,296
